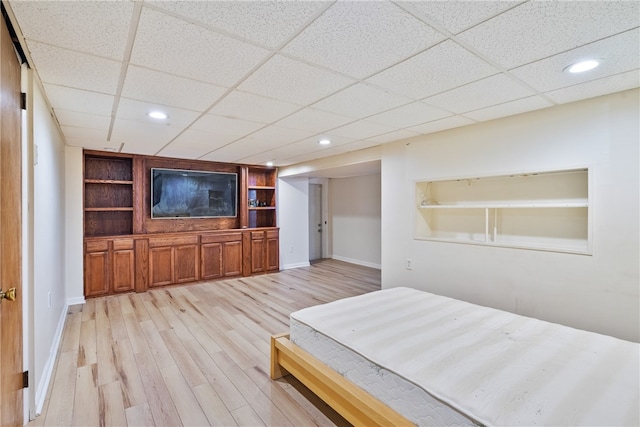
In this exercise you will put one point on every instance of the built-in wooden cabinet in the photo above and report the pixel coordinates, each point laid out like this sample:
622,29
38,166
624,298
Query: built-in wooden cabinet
127,250
539,210
108,266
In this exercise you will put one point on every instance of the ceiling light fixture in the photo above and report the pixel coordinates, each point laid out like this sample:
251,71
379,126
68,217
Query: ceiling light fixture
159,115
324,141
582,66
269,164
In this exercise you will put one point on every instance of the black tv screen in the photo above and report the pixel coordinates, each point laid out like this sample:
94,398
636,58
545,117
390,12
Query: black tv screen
193,194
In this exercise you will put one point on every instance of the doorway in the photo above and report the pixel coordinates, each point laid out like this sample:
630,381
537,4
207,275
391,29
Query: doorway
316,229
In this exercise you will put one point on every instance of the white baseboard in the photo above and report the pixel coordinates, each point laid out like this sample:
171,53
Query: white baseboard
45,380
298,265
358,262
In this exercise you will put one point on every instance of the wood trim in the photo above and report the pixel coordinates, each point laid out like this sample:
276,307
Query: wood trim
354,404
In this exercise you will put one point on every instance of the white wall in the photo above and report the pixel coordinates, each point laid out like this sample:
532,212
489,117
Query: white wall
49,290
599,292
293,219
354,212
74,273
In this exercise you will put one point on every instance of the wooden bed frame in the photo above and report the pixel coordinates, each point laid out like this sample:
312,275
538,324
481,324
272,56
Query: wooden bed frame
354,404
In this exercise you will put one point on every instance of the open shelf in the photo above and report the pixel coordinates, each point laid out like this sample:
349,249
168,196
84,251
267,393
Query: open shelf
541,211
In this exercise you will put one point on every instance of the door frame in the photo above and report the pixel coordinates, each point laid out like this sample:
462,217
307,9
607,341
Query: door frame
326,223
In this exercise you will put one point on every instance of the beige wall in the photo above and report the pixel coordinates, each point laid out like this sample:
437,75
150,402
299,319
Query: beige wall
598,292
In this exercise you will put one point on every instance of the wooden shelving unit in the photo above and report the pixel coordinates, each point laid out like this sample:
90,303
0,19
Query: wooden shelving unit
261,197
108,195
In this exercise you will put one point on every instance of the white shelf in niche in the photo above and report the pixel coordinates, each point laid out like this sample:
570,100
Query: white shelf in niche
539,211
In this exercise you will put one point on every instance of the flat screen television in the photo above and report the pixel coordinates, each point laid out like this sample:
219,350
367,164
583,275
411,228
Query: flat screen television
179,193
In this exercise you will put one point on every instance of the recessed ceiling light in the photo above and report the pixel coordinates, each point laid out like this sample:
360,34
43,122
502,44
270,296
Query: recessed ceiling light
582,66
324,141
159,115
269,164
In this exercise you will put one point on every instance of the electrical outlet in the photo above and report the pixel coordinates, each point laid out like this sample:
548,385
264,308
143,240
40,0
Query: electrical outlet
290,249
49,299
409,264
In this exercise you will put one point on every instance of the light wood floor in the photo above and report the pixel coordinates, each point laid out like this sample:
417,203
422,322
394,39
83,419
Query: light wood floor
192,355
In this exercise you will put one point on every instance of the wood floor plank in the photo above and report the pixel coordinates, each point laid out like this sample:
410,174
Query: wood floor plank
193,355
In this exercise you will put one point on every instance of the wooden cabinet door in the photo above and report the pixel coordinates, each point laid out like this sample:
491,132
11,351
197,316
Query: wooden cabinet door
186,266
160,266
211,260
96,273
273,253
258,252
232,258
122,270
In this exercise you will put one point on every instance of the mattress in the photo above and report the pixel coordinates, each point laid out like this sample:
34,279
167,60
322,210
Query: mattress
440,361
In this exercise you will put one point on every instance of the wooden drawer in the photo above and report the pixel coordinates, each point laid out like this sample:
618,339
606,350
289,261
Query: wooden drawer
97,245
222,237
122,244
157,242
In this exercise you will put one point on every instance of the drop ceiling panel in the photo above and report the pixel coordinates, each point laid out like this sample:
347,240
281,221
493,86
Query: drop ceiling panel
129,109
85,120
617,54
247,106
441,68
165,89
78,26
70,99
442,124
361,100
456,16
195,52
74,69
314,120
611,84
393,136
268,23
362,129
293,81
539,29
225,125
409,115
362,38
238,150
197,143
509,108
140,137
483,93
281,135
96,135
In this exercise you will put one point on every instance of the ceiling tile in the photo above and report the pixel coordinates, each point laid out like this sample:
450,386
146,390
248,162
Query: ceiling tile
617,54
457,16
140,137
393,136
194,51
129,109
442,124
161,88
293,81
269,23
84,120
314,120
65,98
238,150
409,115
539,29
362,129
612,84
360,100
74,132
77,25
509,108
441,68
225,129
281,135
196,142
362,38
483,93
247,106
73,69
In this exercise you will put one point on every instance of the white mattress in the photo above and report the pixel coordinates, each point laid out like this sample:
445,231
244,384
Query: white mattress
440,361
